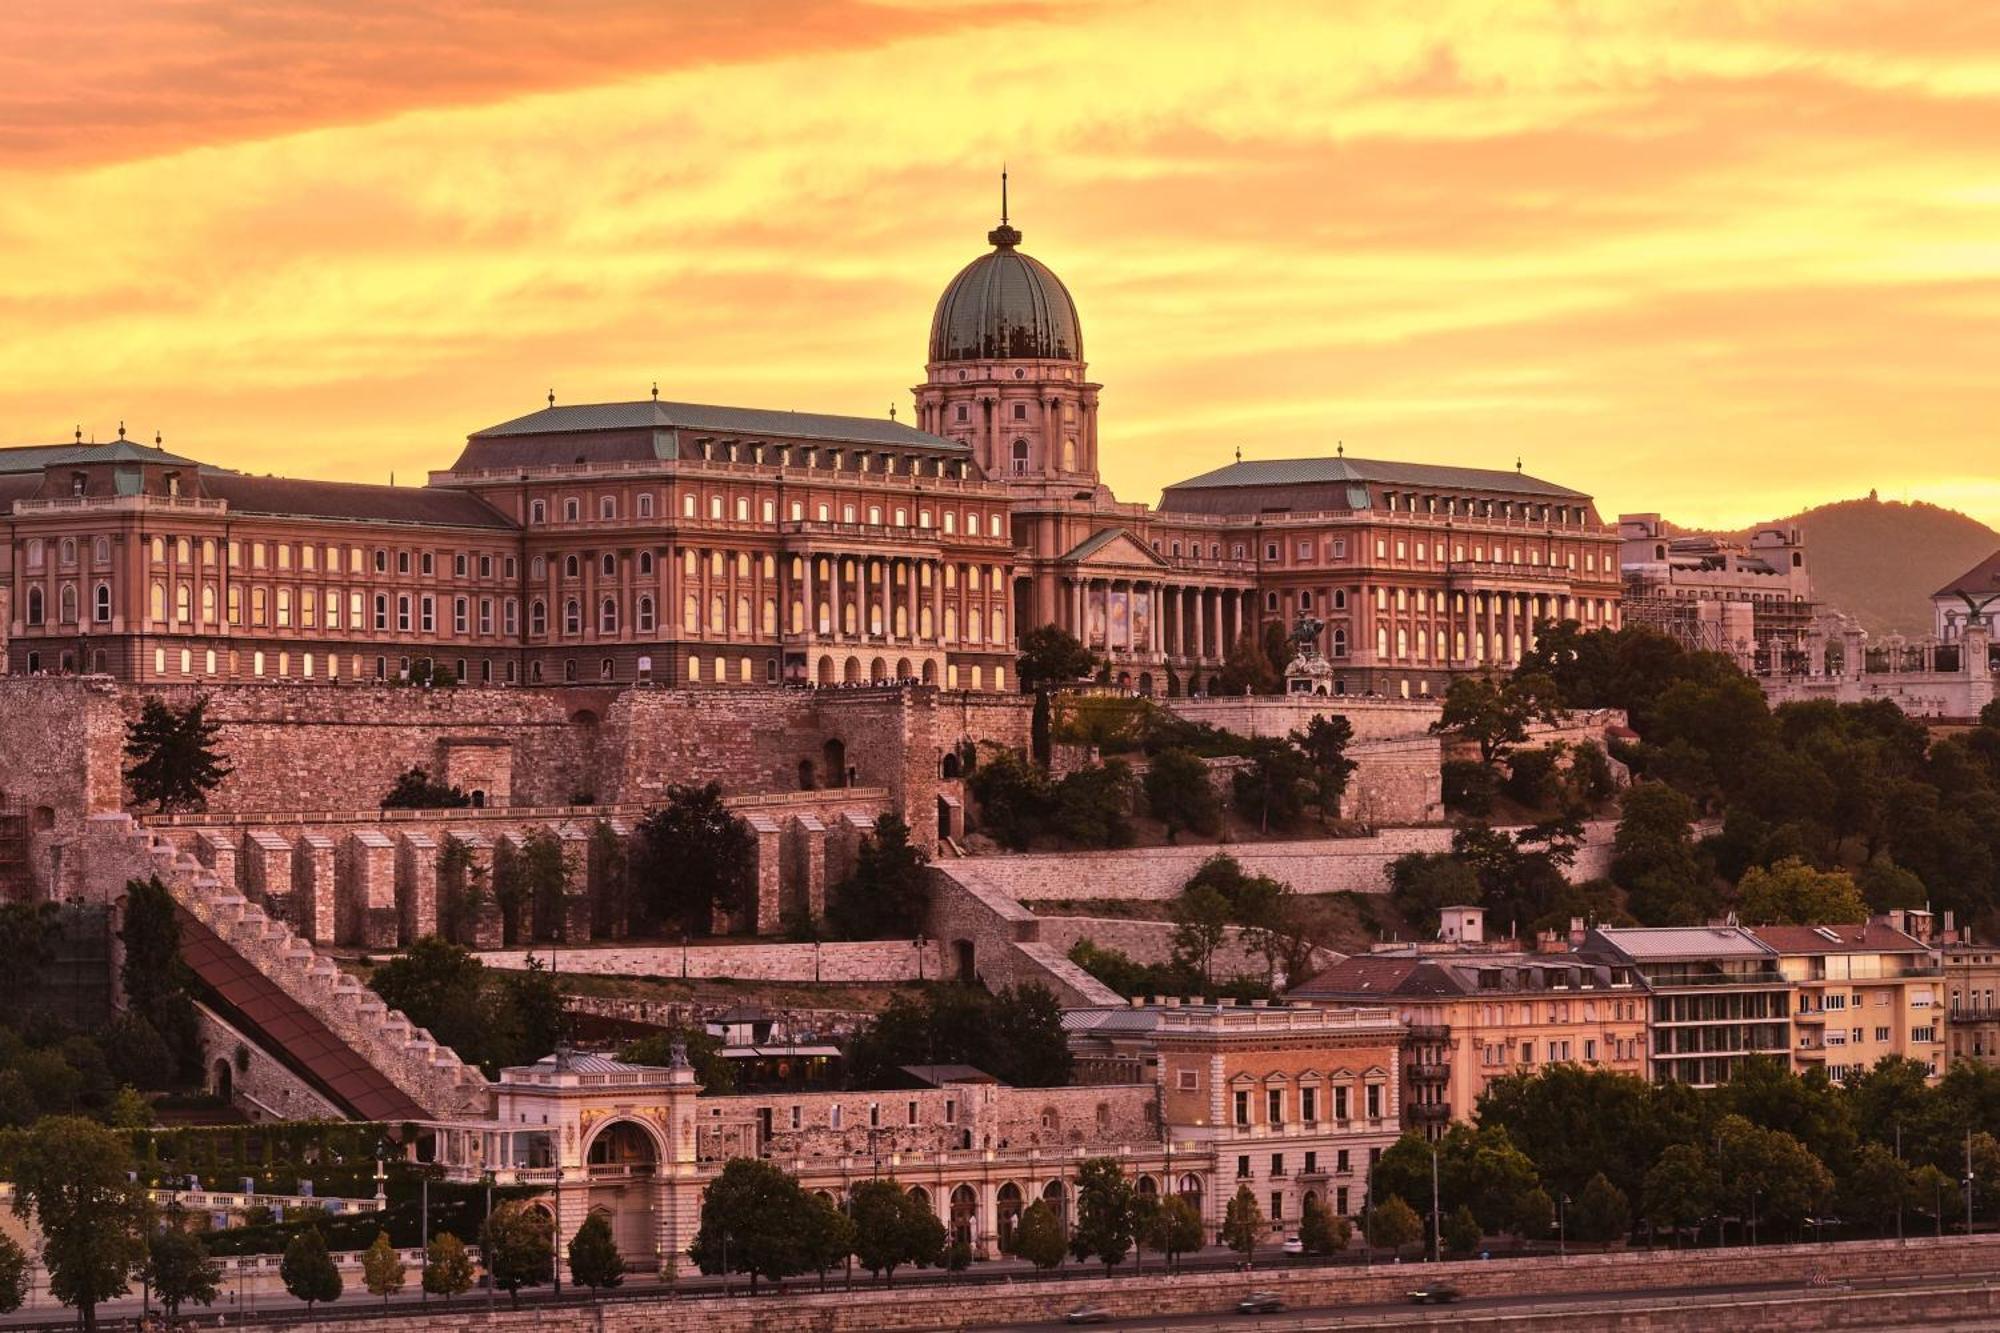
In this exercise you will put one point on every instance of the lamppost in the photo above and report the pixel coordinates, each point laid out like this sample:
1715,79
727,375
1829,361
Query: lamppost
1562,1227
1753,1215
1437,1219
381,1177
1968,1180
486,1246
1901,1191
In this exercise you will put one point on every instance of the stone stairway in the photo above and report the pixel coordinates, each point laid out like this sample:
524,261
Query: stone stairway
430,1073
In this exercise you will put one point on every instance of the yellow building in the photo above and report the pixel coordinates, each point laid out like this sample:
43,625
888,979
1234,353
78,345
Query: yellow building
1860,993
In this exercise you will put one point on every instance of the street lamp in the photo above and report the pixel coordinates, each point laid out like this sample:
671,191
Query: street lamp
486,1246
1437,1220
1562,1227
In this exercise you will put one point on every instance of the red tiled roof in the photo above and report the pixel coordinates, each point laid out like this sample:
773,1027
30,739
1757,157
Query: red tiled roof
290,1031
1362,976
1874,937
1982,579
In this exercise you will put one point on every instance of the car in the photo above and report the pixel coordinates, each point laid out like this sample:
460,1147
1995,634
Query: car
1088,1314
1435,1293
1293,1245
1260,1302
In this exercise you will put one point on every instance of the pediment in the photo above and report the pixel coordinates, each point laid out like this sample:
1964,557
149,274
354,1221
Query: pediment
1114,548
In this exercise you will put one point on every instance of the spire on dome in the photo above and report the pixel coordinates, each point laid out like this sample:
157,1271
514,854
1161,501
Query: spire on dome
1004,236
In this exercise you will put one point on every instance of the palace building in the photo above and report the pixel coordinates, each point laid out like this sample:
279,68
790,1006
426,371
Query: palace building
677,543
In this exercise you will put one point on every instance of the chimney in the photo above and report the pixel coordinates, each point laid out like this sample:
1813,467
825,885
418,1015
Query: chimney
1576,932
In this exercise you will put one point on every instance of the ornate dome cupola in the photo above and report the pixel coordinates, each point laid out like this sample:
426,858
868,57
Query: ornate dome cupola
1005,370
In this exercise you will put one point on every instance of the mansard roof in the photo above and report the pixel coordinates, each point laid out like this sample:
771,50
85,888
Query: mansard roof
35,457
709,419
295,498
1265,483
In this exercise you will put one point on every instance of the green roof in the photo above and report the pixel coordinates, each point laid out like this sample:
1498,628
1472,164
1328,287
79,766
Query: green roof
35,457
1334,471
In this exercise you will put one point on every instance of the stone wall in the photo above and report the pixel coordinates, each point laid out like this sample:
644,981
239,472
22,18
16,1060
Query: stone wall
1150,942
860,961
1322,865
1280,715
988,936
261,1086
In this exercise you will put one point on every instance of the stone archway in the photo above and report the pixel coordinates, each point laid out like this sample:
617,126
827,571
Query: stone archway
222,1081
964,1223
1007,1214
621,1162
963,957
833,756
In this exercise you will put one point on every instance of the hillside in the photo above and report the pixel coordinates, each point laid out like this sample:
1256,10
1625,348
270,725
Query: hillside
1880,560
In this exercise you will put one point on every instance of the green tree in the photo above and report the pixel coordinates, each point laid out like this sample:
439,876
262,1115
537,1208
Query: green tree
1888,887
594,1260
179,1270
1601,1212
753,1220
1324,743
1494,713
893,1228
13,1275
1105,1225
72,1177
382,1269
538,876
704,1052
1248,669
828,1234
1013,796
1792,893
1201,920
1422,883
1051,657
1877,1190
1768,1173
447,1266
416,789
1393,1224
1681,1189
155,978
1093,806
1654,858
308,1271
1274,788
692,858
1533,1214
1180,795
888,891
27,942
1320,1232
519,1247
1243,1223
174,759
1461,1231
1039,1236
1028,1046
1174,1227
441,987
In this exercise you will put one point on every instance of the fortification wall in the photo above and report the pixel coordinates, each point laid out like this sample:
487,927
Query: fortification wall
864,961
1280,715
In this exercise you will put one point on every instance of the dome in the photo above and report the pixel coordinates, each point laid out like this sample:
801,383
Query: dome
1006,305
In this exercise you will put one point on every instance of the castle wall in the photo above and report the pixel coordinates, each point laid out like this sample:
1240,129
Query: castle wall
862,961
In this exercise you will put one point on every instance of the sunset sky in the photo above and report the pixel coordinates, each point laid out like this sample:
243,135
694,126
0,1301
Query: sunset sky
1716,259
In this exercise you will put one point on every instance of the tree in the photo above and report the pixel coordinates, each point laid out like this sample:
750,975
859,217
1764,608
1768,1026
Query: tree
594,1260
1104,1213
537,875
704,1052
1052,656
1174,1227
828,1236
519,1247
1039,1236
1243,1223
13,1275
1014,798
1028,1046
888,891
1248,669
156,980
175,762
1601,1212
1792,893
1392,1224
753,1220
416,789
692,858
1654,858
893,1228
1494,713
179,1270
1324,743
447,1266
1533,1214
1768,1173
382,1270
73,1177
1423,883
1274,788
1681,1188
441,987
1888,887
1878,1189
1092,806
1201,921
1461,1231
1320,1232
308,1271
1179,793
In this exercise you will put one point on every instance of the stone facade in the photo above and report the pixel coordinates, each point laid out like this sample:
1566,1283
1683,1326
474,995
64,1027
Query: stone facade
870,961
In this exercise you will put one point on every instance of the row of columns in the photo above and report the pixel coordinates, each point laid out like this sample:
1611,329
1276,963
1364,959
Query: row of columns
1200,624
931,611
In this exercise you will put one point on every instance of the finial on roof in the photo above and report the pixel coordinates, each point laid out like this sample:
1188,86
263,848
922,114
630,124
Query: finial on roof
1005,236
79,432
656,391
1239,453
1340,448
552,397
1517,462
158,441
121,430
892,411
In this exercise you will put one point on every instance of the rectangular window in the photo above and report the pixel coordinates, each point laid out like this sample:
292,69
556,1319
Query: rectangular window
1374,1101
1243,1167
1189,1080
1274,1107
1277,1164
1312,1163
1242,1108
1340,1103
1309,1105
428,607
1277,1206
1340,1164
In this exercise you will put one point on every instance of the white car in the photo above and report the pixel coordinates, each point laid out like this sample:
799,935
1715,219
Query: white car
1293,1245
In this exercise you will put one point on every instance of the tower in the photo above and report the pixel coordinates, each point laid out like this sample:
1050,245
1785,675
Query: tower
1006,374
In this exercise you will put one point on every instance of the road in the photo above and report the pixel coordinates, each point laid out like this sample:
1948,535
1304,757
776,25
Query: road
1407,1314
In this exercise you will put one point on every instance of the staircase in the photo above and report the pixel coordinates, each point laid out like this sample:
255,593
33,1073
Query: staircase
407,1056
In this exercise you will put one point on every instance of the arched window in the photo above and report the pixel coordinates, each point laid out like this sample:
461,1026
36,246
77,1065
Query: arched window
102,551
538,568
538,617
66,604
1020,455
158,606
101,608
571,568
607,616
66,552
572,617
645,615
645,560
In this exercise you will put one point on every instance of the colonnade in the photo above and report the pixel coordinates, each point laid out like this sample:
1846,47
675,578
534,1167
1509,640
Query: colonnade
1153,618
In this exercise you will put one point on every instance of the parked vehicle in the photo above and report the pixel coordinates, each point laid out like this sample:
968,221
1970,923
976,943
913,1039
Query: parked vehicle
1435,1293
1088,1314
1293,1245
1260,1302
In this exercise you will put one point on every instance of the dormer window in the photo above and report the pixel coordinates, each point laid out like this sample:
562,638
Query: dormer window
78,483
173,483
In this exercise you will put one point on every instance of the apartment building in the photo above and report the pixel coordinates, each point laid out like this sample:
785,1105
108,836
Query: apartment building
1860,993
